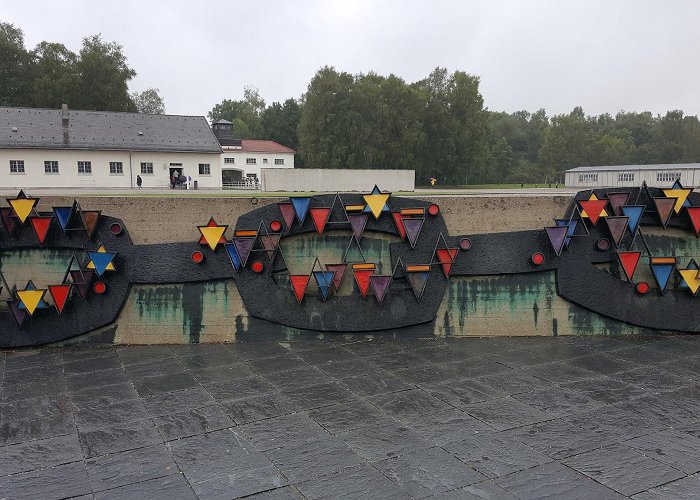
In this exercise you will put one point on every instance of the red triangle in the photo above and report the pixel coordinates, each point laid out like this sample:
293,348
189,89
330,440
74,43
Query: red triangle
299,282
59,294
694,213
211,223
664,207
593,209
362,279
399,224
629,261
447,256
320,217
41,227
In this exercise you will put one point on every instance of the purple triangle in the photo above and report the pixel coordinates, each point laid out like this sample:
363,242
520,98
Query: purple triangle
418,281
617,226
358,222
412,227
557,236
270,243
243,247
19,314
380,285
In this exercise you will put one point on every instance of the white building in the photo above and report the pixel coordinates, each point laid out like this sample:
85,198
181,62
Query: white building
70,148
242,159
660,175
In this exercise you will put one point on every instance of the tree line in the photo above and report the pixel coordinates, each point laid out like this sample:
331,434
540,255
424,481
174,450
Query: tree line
97,77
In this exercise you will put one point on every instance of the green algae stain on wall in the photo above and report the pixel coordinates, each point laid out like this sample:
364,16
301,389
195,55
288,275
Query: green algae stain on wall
521,304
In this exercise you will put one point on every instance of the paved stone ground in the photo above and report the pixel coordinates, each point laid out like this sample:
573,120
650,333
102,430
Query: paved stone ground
350,418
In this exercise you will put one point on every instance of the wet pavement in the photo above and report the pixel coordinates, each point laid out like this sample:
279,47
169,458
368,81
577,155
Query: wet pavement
348,417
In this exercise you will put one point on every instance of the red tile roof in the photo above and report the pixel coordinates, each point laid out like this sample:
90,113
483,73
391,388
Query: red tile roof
259,146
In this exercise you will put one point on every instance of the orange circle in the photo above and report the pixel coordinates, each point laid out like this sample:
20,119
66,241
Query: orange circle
197,257
275,226
433,209
537,258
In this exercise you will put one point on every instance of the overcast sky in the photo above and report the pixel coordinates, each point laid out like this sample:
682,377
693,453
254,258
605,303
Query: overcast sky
606,56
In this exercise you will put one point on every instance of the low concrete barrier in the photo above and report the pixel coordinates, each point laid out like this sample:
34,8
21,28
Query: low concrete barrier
336,180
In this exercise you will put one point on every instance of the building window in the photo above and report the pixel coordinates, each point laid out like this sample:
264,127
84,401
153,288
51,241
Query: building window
667,176
84,167
50,167
279,161
147,168
204,169
229,160
265,161
625,177
16,166
250,161
588,177
116,168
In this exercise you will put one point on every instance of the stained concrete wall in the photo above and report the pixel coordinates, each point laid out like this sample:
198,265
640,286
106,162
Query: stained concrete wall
332,180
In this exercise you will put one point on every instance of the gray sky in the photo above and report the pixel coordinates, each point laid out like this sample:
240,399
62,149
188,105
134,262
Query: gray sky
606,56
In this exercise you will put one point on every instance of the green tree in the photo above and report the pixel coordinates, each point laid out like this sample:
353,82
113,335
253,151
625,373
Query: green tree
56,75
149,101
279,123
15,68
244,114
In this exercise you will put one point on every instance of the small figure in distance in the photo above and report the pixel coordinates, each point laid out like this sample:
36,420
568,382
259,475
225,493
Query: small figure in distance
433,180
522,184
139,181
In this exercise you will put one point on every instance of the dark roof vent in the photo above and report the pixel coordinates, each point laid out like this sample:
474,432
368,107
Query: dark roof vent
64,114
139,132
14,129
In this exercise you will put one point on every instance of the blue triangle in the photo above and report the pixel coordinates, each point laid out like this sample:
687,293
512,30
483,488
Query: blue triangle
634,212
572,224
101,260
678,185
324,279
662,273
63,215
301,207
233,255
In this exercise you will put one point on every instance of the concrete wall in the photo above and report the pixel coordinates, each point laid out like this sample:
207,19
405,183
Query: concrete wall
611,178
68,176
330,180
262,160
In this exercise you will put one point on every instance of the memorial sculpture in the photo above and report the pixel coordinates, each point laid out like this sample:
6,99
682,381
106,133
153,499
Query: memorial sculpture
597,250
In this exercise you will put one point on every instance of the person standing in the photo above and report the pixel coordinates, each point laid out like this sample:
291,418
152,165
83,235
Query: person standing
139,181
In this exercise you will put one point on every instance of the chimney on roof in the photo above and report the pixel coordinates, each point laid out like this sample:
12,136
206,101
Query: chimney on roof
64,114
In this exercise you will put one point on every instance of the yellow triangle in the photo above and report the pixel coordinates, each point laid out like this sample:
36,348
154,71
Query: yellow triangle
376,202
22,207
31,299
690,276
680,194
584,215
212,235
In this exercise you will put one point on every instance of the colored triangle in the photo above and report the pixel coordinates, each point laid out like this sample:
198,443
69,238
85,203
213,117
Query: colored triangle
320,217
664,207
59,294
662,273
362,278
399,226
8,222
243,248
270,243
288,214
678,185
583,213
30,299
376,202
301,207
101,261
680,195
63,216
412,228
211,223
358,223
617,200
694,215
571,226
299,283
594,209
690,277
41,225
628,262
19,315
338,271
110,266
90,219
212,235
446,257
616,226
324,280
22,207
380,285
233,255
557,235
418,281
82,281
635,213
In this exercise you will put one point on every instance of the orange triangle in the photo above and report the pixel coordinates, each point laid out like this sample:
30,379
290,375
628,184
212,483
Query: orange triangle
446,256
90,220
320,217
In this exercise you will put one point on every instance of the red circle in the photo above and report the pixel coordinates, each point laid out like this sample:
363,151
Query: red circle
99,287
116,228
603,244
257,266
465,243
537,258
275,226
642,287
197,257
433,209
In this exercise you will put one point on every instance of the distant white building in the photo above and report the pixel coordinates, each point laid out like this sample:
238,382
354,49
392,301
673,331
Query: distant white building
73,148
242,159
659,175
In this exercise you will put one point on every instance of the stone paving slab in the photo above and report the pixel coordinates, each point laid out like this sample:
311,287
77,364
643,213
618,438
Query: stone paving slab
355,417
